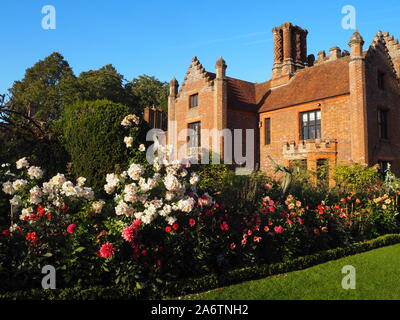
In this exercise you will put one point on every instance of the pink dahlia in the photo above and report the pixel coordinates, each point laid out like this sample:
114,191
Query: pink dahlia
278,229
129,233
106,251
71,228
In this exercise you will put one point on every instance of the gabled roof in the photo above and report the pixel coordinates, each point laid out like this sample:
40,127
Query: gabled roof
328,79
241,95
324,80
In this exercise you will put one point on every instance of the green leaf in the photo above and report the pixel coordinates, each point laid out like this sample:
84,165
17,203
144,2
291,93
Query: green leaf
80,249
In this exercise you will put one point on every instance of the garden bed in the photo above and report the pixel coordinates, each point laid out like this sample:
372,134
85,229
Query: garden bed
209,282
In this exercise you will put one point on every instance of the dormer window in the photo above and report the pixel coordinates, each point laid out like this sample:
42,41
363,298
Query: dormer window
194,100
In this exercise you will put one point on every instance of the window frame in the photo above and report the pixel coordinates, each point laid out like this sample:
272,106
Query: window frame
267,131
383,123
317,126
193,98
192,126
381,80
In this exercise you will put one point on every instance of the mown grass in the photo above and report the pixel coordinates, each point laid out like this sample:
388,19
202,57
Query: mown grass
377,277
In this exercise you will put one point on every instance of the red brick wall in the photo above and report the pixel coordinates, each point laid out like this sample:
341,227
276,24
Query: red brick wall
285,127
389,98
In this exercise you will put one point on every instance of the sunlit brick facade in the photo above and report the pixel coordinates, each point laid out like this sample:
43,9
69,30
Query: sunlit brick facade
337,108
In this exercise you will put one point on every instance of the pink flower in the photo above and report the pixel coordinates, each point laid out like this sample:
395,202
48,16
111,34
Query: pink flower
224,226
129,233
278,229
192,222
106,251
233,245
71,228
137,223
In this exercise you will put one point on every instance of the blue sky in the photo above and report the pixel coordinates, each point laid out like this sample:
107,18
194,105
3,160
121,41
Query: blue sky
159,37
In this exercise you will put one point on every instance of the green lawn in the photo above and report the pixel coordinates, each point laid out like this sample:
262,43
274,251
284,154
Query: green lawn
377,277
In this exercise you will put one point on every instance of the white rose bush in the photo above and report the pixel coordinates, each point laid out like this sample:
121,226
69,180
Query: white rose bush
153,225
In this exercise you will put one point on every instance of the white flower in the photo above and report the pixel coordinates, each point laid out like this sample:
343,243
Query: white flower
58,180
8,188
112,181
130,192
169,195
128,141
171,183
35,172
129,119
166,210
26,212
183,173
194,179
16,201
97,206
170,220
147,185
68,189
35,195
13,227
142,148
81,181
19,184
4,165
135,171
185,205
124,209
22,163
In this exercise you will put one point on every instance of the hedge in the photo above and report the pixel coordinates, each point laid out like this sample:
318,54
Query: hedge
205,283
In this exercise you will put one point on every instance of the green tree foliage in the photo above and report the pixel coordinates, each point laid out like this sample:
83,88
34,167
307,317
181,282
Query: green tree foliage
40,92
105,83
93,136
148,91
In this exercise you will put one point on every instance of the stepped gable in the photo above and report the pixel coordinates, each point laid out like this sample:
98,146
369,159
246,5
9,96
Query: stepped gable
387,46
197,71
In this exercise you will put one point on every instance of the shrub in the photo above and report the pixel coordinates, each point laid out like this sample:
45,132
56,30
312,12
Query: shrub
355,178
94,138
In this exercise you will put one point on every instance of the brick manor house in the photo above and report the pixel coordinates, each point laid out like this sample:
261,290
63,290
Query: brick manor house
334,109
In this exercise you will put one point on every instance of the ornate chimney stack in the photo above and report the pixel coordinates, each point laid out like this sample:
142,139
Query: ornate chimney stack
290,52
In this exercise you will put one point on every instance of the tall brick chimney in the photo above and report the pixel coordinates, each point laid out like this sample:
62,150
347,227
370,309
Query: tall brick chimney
290,52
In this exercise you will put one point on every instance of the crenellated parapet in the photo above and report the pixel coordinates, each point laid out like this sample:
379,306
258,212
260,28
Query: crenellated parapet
292,149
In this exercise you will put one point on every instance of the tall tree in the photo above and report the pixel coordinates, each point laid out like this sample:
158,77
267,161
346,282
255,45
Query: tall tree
104,83
39,93
148,91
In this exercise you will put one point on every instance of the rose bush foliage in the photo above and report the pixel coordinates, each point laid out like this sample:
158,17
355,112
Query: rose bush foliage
157,225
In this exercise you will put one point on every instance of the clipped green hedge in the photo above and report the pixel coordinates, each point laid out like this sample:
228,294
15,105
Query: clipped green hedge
208,282
93,136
